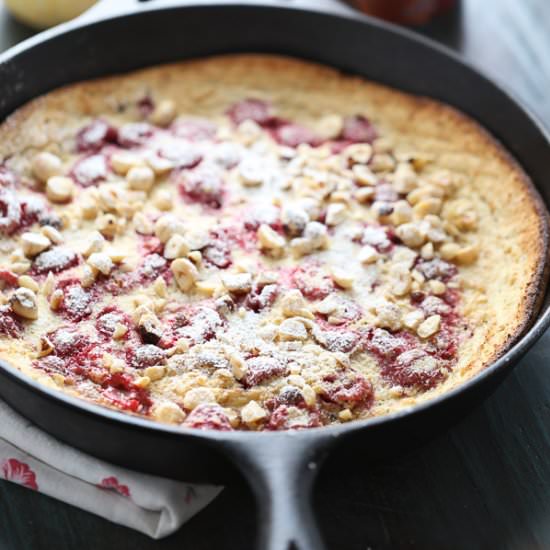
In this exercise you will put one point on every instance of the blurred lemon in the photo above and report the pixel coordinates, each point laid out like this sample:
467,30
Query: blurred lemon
41,14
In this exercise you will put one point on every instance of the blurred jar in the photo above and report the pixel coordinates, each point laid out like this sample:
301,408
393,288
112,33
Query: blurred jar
41,14
404,12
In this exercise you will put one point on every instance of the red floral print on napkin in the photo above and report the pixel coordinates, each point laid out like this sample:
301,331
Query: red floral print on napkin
19,472
113,484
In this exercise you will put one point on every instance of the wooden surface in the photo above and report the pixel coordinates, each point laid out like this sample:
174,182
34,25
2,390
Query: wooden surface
484,484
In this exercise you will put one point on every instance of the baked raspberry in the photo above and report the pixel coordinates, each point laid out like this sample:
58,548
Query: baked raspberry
261,297
134,134
344,341
267,214
339,308
291,395
195,129
9,278
292,418
51,219
66,341
182,155
436,269
77,302
10,211
358,129
262,368
227,154
293,135
32,207
415,368
444,344
147,355
199,325
377,237
145,106
312,282
203,185
108,319
55,259
432,305
9,325
386,345
218,253
348,389
208,417
95,135
90,170
250,109
121,391
152,266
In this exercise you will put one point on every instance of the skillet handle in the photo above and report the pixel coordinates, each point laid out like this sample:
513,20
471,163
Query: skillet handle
281,470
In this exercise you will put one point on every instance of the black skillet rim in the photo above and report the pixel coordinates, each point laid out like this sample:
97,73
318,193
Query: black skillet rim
538,323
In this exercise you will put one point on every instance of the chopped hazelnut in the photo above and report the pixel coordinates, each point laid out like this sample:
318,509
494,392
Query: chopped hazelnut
156,372
388,315
101,262
269,238
52,233
237,283
140,178
413,319
107,225
293,304
292,329
427,251
46,165
185,273
368,254
34,243
359,152
123,161
176,247
160,287
120,331
59,189
336,214
196,396
168,225
252,412
95,243
142,224
448,251
364,176
342,277
429,327
410,235
402,213
437,287
427,206
28,282
164,113
163,200
169,413
23,303
467,255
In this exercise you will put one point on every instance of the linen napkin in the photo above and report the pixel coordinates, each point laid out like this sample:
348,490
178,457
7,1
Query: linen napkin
153,505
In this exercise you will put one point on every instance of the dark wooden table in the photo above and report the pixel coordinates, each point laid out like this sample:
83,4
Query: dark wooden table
484,484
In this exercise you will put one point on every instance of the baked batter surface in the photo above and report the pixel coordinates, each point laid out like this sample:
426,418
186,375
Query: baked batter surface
256,242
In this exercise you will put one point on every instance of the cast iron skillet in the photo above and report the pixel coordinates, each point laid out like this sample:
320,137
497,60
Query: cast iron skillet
281,467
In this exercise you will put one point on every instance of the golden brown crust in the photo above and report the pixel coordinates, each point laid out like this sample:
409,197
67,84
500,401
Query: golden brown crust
502,290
